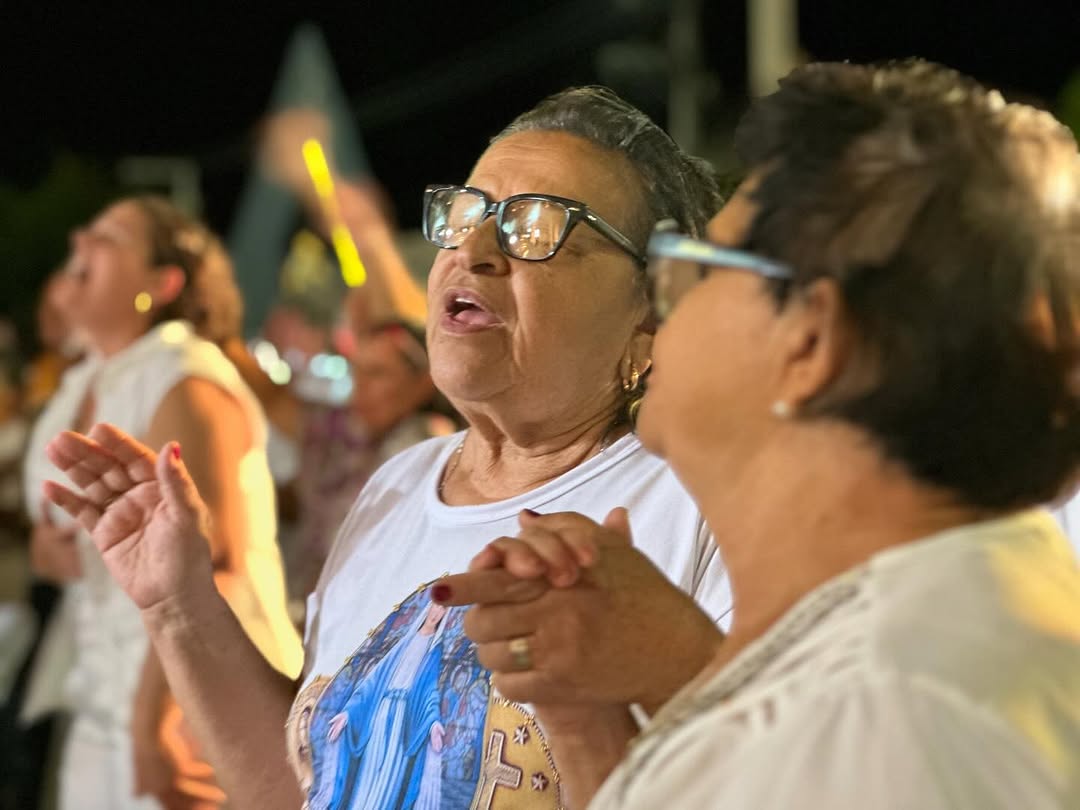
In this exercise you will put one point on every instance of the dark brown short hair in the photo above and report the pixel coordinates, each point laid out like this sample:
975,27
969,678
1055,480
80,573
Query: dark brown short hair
950,222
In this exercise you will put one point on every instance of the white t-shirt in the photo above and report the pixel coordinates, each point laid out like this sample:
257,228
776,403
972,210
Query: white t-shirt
942,674
372,602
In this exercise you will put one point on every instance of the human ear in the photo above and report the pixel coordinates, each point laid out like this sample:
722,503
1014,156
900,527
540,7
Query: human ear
169,282
816,342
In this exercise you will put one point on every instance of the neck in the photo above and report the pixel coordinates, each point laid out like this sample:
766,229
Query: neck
115,341
818,501
501,459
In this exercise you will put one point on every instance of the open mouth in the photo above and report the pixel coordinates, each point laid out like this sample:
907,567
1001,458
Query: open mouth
465,309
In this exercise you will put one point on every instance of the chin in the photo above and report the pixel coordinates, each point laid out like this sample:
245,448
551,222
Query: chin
464,382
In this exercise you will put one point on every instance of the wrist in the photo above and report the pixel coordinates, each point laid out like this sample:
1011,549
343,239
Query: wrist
683,664
185,613
582,723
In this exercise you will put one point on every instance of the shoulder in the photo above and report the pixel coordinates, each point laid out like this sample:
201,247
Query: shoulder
172,350
885,741
198,399
959,605
989,617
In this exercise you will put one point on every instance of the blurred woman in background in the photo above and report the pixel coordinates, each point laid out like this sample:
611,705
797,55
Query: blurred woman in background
394,405
153,294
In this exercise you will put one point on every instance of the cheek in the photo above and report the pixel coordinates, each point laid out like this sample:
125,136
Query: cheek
709,356
437,271
577,314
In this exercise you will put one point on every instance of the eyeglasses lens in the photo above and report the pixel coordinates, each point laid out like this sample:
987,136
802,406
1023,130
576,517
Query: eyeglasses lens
533,229
452,214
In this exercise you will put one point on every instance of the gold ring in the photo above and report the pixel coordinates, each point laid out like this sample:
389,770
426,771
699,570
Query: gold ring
519,650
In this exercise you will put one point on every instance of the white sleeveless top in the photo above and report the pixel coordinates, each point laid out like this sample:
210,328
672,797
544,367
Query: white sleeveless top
110,642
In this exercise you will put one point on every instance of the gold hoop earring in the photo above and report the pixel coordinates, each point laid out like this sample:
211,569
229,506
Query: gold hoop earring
630,385
144,302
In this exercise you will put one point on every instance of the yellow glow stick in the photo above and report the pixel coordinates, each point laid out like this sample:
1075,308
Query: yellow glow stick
352,268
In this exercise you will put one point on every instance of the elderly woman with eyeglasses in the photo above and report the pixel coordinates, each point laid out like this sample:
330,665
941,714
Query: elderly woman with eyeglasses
894,303
539,333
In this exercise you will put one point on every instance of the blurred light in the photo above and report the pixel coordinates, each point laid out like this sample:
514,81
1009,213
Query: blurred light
341,390
336,367
279,373
143,302
266,354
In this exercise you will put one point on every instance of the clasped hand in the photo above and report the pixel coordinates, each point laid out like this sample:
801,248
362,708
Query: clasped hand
600,623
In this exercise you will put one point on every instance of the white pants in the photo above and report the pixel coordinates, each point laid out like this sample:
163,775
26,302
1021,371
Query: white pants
97,773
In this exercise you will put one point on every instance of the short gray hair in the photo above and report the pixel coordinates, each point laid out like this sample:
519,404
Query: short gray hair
675,185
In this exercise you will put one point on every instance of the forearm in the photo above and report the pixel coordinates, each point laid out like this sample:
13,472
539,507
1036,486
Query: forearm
586,744
235,702
691,648
391,290
151,697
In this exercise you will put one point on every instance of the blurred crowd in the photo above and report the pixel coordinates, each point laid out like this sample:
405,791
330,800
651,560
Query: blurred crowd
356,390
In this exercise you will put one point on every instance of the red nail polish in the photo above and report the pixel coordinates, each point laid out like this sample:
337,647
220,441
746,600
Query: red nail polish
440,593
176,452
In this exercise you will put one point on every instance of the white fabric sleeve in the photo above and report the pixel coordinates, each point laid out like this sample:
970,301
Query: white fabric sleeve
887,745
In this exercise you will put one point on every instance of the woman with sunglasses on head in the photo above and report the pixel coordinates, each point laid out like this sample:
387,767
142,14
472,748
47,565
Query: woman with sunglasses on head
152,293
539,333
897,299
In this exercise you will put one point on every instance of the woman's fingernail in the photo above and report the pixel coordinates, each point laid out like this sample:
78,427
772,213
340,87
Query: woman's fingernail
531,513
440,593
176,452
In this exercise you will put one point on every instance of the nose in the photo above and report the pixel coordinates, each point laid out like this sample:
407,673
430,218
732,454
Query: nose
480,252
77,239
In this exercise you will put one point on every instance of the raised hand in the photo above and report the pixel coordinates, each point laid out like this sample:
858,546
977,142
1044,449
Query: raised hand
142,512
621,633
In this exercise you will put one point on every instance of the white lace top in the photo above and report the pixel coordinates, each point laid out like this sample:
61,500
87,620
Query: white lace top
109,639
942,674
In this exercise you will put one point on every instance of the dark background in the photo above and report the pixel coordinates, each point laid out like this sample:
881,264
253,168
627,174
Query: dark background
84,84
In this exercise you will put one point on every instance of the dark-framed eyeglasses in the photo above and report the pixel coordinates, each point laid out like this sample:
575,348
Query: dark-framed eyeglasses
677,262
531,227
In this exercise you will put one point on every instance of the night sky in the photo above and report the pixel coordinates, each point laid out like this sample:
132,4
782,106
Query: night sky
194,78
